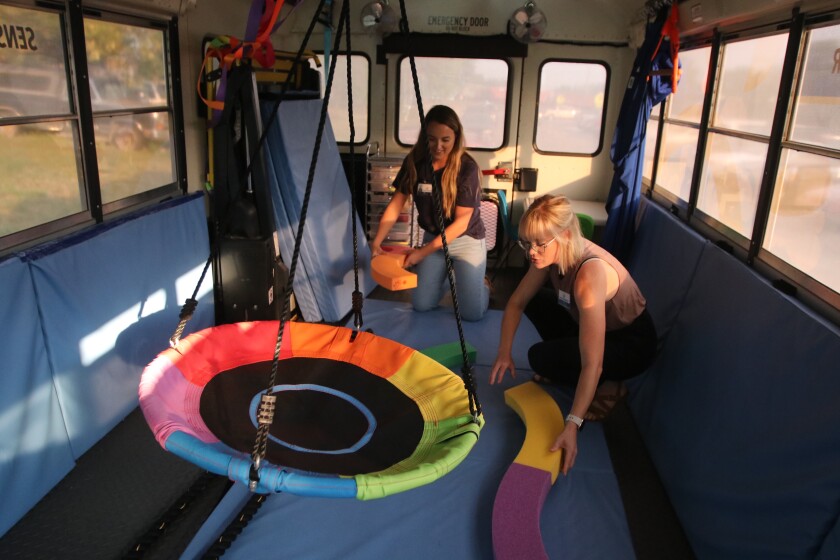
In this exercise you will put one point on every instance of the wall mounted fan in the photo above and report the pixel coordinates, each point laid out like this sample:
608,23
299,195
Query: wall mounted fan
527,24
378,18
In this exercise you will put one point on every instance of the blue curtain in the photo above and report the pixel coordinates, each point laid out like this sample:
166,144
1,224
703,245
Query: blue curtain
648,86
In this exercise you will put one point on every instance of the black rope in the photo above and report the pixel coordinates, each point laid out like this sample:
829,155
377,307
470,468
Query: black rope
173,515
466,370
265,414
225,540
189,307
358,296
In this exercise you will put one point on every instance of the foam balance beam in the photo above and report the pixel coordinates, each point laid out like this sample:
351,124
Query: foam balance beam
522,492
387,270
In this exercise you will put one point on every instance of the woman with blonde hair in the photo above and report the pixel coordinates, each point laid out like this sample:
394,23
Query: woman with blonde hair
439,157
595,327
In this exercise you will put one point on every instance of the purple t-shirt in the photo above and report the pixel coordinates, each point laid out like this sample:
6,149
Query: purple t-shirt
468,194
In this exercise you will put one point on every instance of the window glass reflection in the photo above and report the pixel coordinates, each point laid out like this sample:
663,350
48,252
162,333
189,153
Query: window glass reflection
650,148
126,65
817,107
40,179
749,84
476,89
131,158
676,159
687,103
339,118
33,78
731,179
571,103
804,225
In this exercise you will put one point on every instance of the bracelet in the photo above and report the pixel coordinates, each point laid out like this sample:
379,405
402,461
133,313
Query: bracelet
576,420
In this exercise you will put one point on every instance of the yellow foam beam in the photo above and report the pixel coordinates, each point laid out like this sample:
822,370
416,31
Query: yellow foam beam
387,270
543,421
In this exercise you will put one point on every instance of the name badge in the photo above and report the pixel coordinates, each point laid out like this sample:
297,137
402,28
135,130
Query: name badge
564,299
424,188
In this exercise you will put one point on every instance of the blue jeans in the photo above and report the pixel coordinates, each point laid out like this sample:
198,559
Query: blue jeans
469,261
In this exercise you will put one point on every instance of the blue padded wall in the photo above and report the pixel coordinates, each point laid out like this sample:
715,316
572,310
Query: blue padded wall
324,281
830,548
35,451
740,415
109,299
665,255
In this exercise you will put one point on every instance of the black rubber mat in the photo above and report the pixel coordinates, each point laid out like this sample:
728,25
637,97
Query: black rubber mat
654,526
116,492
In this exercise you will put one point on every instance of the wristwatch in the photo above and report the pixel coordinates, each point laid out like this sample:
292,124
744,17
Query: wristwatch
576,420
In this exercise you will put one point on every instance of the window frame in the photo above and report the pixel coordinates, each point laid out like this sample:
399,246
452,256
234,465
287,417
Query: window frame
343,54
763,258
601,132
750,249
723,234
72,16
661,115
507,103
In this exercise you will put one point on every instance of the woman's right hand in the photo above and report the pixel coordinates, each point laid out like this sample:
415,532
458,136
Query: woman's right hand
503,363
375,249
567,442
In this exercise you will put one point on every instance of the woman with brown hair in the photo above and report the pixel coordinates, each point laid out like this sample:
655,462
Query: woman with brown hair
439,157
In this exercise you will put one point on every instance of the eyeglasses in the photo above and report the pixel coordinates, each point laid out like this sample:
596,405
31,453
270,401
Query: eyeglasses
539,248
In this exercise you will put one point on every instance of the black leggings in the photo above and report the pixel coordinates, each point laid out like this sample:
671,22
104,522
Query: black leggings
627,351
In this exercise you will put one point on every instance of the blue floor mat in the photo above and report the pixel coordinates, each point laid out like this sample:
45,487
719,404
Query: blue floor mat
452,518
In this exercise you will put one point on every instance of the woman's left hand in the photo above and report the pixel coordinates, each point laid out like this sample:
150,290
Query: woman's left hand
567,441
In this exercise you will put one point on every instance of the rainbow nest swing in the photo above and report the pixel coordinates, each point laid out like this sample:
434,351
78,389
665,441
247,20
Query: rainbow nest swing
311,409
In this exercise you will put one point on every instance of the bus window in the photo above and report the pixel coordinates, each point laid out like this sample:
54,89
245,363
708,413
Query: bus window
571,107
33,80
817,107
676,159
803,228
682,124
736,149
804,225
339,119
686,105
127,75
651,135
476,89
749,84
732,171
41,174
131,158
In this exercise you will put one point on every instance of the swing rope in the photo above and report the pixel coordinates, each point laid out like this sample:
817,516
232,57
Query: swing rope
466,369
358,296
265,413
